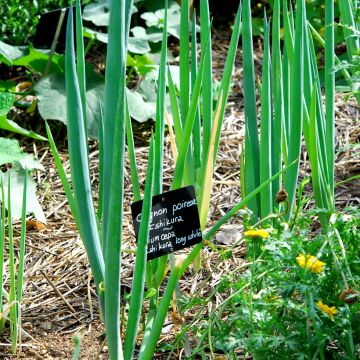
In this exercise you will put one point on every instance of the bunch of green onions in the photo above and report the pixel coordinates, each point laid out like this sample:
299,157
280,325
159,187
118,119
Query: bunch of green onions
291,107
101,229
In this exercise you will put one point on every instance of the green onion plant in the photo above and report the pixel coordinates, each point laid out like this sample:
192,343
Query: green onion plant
291,107
350,22
10,301
193,109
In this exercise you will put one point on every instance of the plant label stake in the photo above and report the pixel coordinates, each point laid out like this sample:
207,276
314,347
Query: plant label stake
174,223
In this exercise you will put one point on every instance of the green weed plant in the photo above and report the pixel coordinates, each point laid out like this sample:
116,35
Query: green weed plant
278,306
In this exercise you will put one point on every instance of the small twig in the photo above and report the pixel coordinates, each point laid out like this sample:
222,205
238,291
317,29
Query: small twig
100,350
59,294
43,250
89,296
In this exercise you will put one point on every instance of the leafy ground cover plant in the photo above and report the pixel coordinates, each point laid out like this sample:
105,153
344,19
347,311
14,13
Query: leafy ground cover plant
296,296
6,103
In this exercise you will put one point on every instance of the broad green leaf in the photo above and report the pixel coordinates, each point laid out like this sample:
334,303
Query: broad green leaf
7,85
151,34
142,103
138,46
141,64
257,26
8,53
51,96
135,45
99,11
156,19
139,109
34,59
6,103
16,189
10,153
52,100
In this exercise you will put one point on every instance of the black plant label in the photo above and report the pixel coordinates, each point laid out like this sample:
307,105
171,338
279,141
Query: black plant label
174,223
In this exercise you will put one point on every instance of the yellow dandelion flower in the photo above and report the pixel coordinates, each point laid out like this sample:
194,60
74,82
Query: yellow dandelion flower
310,262
318,266
257,233
328,310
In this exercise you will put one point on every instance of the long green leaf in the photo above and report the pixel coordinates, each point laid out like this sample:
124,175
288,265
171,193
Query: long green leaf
113,232
119,23
320,115
207,90
101,167
79,161
266,130
160,113
159,142
196,129
137,291
278,125
175,110
12,272
252,171
287,104
347,19
316,176
226,79
204,203
131,150
188,127
184,60
80,63
2,251
330,88
297,87
149,342
288,34
20,272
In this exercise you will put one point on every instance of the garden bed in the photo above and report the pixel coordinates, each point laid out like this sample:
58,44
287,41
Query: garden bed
60,300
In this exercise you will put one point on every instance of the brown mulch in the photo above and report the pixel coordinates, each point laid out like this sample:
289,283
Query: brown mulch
59,297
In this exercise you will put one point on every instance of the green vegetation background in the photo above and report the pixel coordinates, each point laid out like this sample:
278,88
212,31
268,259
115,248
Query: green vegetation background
20,17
